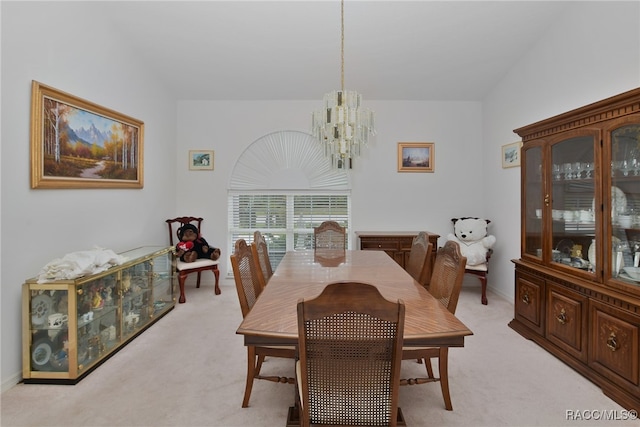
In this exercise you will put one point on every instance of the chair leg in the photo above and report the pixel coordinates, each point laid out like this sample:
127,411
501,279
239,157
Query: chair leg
427,363
443,362
483,282
251,373
259,365
198,280
181,279
216,273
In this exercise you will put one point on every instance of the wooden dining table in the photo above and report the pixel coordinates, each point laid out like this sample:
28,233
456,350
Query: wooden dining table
304,274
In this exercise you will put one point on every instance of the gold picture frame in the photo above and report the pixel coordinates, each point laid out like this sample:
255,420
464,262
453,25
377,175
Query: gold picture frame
416,157
201,160
511,155
78,144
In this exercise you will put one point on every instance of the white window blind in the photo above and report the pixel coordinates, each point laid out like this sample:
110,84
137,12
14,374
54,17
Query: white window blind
286,220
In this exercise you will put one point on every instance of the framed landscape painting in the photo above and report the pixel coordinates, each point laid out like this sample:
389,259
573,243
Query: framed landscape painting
200,160
78,144
416,157
511,155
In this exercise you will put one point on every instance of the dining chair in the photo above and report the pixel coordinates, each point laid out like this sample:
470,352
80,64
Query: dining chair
445,286
419,263
249,286
350,349
261,253
185,268
329,235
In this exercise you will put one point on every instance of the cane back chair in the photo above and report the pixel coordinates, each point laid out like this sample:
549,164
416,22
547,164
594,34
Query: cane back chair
419,264
261,254
329,235
350,348
446,283
249,286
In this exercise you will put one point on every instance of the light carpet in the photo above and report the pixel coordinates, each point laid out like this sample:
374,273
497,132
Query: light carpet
189,370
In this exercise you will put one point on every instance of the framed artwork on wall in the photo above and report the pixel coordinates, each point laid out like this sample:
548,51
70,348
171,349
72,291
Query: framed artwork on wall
511,155
201,160
78,144
416,157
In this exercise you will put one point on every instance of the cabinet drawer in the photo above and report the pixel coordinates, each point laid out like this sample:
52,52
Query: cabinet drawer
405,242
380,244
529,303
566,322
614,346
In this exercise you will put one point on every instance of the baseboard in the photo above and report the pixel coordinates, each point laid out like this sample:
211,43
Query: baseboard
11,381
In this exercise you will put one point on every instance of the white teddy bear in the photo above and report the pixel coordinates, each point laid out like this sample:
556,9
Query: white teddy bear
471,235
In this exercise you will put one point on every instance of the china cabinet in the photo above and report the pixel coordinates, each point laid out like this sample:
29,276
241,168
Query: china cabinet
72,326
577,282
396,244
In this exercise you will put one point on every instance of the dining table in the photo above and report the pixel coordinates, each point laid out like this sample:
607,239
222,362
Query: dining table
303,274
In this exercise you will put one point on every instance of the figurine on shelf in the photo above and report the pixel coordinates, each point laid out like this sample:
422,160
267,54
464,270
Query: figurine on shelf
97,302
192,246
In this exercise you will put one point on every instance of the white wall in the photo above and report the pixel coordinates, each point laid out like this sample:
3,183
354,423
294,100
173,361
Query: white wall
86,58
590,54
382,198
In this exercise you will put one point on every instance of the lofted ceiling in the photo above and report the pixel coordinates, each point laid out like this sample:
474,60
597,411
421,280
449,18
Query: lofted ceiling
284,50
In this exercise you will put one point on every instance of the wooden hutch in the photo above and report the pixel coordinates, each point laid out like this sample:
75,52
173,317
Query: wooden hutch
576,293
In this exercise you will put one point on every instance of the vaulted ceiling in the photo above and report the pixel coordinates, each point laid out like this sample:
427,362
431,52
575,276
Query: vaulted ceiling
394,50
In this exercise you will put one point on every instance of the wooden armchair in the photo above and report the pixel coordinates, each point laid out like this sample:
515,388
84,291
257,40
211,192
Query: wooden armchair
446,283
419,264
198,266
329,235
261,254
246,273
350,348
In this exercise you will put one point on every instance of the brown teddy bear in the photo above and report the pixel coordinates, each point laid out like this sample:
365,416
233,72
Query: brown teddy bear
192,246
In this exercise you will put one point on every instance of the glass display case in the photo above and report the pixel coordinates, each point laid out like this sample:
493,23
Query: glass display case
577,281
71,326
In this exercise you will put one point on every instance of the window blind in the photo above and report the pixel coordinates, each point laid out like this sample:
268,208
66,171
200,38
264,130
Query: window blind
286,220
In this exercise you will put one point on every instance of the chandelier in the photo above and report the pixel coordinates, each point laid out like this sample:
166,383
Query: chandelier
342,126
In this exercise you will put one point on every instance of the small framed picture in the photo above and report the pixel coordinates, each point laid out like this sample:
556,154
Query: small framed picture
416,157
201,160
511,155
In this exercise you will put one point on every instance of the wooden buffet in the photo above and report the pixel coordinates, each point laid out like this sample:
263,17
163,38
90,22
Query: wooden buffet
397,244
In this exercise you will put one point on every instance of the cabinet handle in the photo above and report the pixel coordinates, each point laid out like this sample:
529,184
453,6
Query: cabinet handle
612,342
379,246
525,298
562,317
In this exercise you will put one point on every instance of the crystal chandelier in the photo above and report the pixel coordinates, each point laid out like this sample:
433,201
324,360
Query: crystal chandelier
342,126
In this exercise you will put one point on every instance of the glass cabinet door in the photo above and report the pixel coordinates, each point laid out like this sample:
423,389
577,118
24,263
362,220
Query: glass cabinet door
136,297
162,284
573,203
49,320
97,316
534,209
624,206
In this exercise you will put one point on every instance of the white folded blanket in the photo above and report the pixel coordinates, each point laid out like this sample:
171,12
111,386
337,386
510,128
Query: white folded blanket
78,264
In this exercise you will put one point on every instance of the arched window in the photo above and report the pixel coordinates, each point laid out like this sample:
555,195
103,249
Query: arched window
283,185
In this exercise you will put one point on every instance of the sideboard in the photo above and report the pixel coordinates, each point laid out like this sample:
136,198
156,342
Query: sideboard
397,244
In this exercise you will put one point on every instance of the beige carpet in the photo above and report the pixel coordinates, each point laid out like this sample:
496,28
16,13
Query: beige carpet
189,370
